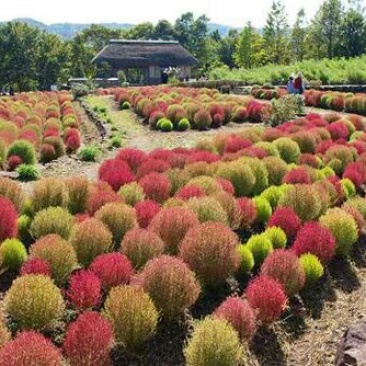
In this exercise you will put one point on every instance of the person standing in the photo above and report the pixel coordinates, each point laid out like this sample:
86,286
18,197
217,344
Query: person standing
299,83
291,86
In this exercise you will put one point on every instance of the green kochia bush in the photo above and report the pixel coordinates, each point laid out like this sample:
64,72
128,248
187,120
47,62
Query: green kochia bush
312,267
343,227
277,236
264,209
260,246
25,150
246,259
213,343
12,254
289,149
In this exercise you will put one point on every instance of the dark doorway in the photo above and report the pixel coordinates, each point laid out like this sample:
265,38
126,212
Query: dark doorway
164,77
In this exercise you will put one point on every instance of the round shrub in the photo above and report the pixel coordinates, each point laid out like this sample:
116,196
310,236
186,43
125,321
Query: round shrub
8,219
189,191
49,192
171,285
276,169
240,175
156,187
145,212
13,162
36,266
113,269
202,119
89,239
47,153
178,178
289,150
140,245
13,191
286,219
246,259
315,239
348,187
267,297
231,207
248,212
260,174
283,265
152,165
240,315
312,268
78,191
304,200
277,236
273,194
132,193
132,314
90,337
119,218
12,254
260,246
184,124
25,150
133,157
165,125
172,224
58,254
34,302
214,342
28,173
210,249
52,220
116,173
208,209
359,203
263,209
84,290
30,348
343,227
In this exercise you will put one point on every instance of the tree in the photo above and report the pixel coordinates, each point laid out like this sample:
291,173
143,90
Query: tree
81,57
227,48
164,30
141,31
276,37
331,12
298,36
98,36
249,48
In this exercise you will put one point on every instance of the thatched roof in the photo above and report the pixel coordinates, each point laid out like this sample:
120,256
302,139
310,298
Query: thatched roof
136,54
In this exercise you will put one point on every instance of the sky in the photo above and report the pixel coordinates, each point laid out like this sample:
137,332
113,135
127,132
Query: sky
227,12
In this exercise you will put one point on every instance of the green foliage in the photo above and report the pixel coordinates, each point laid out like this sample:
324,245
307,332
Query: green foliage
116,141
184,124
52,220
289,149
246,259
28,173
79,90
349,188
260,246
125,105
213,343
132,193
165,125
312,267
89,153
208,209
25,150
264,209
24,223
277,237
34,302
12,254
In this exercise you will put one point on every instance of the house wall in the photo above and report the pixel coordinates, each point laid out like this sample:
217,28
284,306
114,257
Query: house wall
154,75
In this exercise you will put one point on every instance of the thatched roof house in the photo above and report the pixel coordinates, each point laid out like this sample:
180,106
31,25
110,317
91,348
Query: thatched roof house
145,61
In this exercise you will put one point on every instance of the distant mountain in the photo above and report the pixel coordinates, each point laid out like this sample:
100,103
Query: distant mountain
68,30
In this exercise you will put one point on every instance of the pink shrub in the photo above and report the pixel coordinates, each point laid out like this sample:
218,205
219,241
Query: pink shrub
297,175
315,239
248,212
133,157
190,191
13,162
8,219
89,340
151,165
116,173
113,269
226,185
101,193
156,186
235,143
284,266
36,266
202,155
286,219
30,348
84,290
267,297
240,315
145,212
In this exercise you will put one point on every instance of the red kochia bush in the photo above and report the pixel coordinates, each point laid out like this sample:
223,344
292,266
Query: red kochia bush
248,212
287,220
190,191
36,266
151,165
113,269
297,175
172,224
101,193
145,212
210,249
133,157
29,349
8,219
267,297
89,340
84,290
156,186
240,315
226,185
235,143
116,173
315,239
13,162
284,266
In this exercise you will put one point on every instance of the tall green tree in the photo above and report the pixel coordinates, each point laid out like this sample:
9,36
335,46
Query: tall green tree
249,51
227,48
97,36
164,30
276,34
298,36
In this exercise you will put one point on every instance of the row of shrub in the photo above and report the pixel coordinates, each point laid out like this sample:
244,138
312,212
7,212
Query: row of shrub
172,108
109,261
37,126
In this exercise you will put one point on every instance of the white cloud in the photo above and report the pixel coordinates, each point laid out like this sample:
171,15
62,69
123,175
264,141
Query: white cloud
229,12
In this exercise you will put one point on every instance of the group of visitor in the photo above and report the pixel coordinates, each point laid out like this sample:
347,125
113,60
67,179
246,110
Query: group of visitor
296,85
